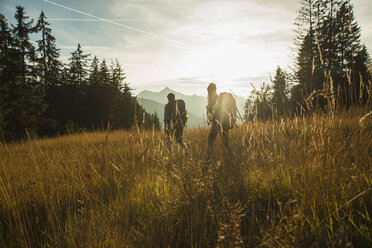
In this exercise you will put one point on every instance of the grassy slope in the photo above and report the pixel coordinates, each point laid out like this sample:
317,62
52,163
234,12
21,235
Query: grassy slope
299,183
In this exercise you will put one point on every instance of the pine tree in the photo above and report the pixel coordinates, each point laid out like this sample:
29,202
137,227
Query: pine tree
305,47
117,74
94,72
104,77
353,57
96,94
25,94
258,105
77,78
78,66
304,73
339,58
127,109
25,49
6,70
280,92
49,65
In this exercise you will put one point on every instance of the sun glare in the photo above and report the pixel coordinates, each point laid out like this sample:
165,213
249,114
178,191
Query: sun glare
225,62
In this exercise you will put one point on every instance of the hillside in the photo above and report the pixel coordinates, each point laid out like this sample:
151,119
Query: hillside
304,182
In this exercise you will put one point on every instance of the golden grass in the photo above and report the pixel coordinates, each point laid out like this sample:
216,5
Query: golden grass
304,182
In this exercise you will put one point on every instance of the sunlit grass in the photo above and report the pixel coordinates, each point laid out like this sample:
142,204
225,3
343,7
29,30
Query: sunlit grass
293,183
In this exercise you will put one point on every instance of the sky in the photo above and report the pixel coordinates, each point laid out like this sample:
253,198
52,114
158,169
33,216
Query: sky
182,44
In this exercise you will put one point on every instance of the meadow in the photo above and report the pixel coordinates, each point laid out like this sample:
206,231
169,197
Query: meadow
301,182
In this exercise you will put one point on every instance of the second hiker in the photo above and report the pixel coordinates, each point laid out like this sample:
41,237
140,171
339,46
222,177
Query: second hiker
221,113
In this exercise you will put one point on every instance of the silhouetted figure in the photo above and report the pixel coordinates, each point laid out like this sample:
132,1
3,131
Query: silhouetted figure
221,114
175,118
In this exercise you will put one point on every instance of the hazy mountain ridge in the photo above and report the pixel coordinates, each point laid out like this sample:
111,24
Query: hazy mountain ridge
154,106
195,105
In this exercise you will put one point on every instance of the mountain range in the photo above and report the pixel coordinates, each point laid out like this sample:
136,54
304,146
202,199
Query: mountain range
195,105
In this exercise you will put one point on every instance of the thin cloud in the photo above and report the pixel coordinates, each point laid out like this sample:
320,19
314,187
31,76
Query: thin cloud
119,24
94,20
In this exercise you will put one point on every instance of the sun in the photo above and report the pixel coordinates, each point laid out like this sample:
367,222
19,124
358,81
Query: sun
225,62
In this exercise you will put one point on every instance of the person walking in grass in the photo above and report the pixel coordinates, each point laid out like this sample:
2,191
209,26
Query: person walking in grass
175,118
221,115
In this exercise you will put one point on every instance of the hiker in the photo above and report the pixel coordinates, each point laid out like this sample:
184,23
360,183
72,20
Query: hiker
221,114
175,118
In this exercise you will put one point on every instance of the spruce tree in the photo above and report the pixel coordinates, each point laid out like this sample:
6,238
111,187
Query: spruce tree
25,49
94,72
7,74
25,94
117,74
258,105
49,65
306,49
96,95
78,67
127,108
339,58
77,78
353,57
280,92
104,77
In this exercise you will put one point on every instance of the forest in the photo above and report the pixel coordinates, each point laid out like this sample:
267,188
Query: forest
42,96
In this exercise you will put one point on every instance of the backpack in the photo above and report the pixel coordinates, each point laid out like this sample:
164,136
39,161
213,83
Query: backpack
225,110
178,113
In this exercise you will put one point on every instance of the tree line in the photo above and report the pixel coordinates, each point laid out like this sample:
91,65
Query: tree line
40,95
332,69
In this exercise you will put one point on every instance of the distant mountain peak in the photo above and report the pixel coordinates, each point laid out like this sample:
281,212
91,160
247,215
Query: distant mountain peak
166,89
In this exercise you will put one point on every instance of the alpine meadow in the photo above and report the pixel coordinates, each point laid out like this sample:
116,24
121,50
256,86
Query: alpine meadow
86,163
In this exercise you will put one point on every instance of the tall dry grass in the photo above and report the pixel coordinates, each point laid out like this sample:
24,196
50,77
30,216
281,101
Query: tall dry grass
304,182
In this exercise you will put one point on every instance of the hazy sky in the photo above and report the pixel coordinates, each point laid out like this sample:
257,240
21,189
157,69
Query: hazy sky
182,44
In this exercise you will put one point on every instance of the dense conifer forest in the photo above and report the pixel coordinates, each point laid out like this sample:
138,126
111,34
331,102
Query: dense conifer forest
42,96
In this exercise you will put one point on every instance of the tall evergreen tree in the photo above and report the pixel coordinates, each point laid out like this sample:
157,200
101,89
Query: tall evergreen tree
94,72
49,65
7,66
353,57
93,94
104,77
258,105
338,52
25,49
107,93
117,74
305,47
280,92
49,73
304,74
126,109
78,66
25,93
77,78
97,94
